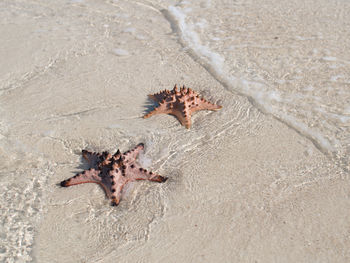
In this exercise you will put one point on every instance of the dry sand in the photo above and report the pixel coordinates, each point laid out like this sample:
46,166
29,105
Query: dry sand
243,187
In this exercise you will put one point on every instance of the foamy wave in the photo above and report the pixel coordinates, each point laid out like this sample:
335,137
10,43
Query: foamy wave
193,41
255,91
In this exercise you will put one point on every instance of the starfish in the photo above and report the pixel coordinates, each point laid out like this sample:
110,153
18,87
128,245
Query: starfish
113,172
180,103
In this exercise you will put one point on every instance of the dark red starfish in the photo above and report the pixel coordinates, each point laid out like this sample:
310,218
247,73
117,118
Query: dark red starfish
113,172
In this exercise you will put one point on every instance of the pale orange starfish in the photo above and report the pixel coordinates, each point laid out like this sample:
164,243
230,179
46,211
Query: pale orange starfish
113,172
180,103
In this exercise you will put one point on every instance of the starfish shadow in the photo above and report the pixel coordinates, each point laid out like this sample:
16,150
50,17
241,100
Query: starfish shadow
150,105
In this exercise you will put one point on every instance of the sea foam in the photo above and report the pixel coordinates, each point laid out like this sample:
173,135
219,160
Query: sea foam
255,91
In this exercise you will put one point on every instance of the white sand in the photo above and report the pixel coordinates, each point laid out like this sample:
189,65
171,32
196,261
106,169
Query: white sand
243,186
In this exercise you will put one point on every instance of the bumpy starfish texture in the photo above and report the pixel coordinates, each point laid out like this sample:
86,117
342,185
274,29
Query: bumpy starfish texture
180,103
113,172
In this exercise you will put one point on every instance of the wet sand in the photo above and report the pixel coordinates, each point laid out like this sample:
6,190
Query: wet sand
242,186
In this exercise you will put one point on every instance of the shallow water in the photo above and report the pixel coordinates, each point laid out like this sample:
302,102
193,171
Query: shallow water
297,73
82,82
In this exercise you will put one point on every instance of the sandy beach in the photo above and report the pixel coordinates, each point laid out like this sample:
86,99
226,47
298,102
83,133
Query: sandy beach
265,179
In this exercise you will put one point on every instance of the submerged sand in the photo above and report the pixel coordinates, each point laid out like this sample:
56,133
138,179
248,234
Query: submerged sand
243,186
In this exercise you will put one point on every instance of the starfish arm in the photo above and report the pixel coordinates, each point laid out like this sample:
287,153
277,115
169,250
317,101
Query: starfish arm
162,108
93,158
206,105
184,116
116,196
88,176
131,155
136,172
187,118
116,182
